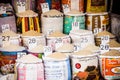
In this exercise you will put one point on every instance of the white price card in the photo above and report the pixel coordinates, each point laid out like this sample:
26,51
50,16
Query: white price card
5,40
66,8
96,31
45,7
50,31
2,10
84,41
5,27
21,6
20,54
75,25
47,50
58,43
77,47
105,39
104,48
32,42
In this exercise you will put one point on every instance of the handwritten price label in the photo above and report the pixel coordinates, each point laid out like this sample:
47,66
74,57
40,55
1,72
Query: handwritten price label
66,8
32,42
75,26
5,27
47,50
2,10
21,6
105,39
104,48
45,7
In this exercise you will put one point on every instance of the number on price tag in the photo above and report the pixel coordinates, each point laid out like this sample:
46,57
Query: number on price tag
104,48
20,54
2,10
32,42
50,31
75,26
105,39
5,27
66,8
21,6
45,7
47,50
58,43
96,31
77,48
5,40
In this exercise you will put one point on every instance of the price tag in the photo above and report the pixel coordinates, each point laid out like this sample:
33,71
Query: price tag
96,31
105,39
104,48
2,10
77,47
58,43
5,27
66,8
32,42
45,7
20,54
5,40
47,50
84,40
75,26
21,6
50,31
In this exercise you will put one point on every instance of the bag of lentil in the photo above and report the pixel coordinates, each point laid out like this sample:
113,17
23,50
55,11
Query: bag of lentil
96,6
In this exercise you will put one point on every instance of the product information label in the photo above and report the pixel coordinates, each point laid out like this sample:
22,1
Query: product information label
56,70
98,2
110,68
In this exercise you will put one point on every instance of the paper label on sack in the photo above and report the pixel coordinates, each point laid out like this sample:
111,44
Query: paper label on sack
21,6
32,42
47,50
66,8
2,10
45,7
5,27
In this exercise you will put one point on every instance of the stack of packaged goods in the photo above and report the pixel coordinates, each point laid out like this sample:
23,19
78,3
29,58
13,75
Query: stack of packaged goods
57,40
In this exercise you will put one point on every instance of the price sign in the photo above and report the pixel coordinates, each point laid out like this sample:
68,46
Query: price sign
58,43
47,50
77,47
66,8
96,31
84,40
45,7
5,40
5,27
75,25
105,39
21,6
20,54
50,31
104,48
32,42
2,10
